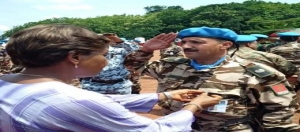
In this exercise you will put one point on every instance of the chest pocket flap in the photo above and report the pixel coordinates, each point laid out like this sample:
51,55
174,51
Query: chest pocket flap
174,79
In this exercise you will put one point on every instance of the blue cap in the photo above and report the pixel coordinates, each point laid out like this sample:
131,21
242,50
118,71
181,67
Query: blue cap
124,39
138,41
259,35
246,38
288,34
207,32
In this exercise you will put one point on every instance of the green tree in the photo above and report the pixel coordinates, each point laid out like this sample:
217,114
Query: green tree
153,9
251,16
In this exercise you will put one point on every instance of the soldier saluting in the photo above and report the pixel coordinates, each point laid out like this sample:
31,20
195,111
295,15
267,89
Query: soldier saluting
256,97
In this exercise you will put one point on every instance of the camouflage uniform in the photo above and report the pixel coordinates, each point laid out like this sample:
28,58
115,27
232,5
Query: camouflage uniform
5,63
269,46
134,76
114,78
266,47
6,66
261,47
272,60
252,106
172,51
289,51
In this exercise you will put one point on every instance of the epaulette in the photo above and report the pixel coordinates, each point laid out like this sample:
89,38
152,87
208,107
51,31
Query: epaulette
176,59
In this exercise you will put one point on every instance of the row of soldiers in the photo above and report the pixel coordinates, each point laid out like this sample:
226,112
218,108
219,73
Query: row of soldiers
281,53
278,52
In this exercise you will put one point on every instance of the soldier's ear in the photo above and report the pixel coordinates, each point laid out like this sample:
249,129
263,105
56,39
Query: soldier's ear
247,44
226,44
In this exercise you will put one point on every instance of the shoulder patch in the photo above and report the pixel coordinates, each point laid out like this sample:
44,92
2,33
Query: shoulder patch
176,59
259,71
256,70
279,89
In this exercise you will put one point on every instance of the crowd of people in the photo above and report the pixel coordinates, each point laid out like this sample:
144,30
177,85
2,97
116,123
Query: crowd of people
67,78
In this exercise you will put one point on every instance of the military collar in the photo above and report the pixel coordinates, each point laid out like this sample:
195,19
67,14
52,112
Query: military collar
293,42
245,48
226,60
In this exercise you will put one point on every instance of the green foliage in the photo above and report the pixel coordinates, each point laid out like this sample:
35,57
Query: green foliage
154,9
251,16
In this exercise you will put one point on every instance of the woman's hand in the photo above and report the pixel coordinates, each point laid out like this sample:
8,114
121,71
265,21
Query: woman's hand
205,100
183,95
199,100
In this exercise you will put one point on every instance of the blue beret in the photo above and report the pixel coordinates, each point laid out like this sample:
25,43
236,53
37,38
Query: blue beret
259,35
124,39
207,32
288,34
138,41
246,38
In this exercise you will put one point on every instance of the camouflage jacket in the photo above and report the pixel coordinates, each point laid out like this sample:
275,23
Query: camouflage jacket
5,63
130,47
246,86
261,47
272,45
289,51
266,47
173,51
272,60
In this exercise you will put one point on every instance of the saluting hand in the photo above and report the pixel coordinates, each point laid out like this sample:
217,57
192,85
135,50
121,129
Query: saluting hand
160,41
